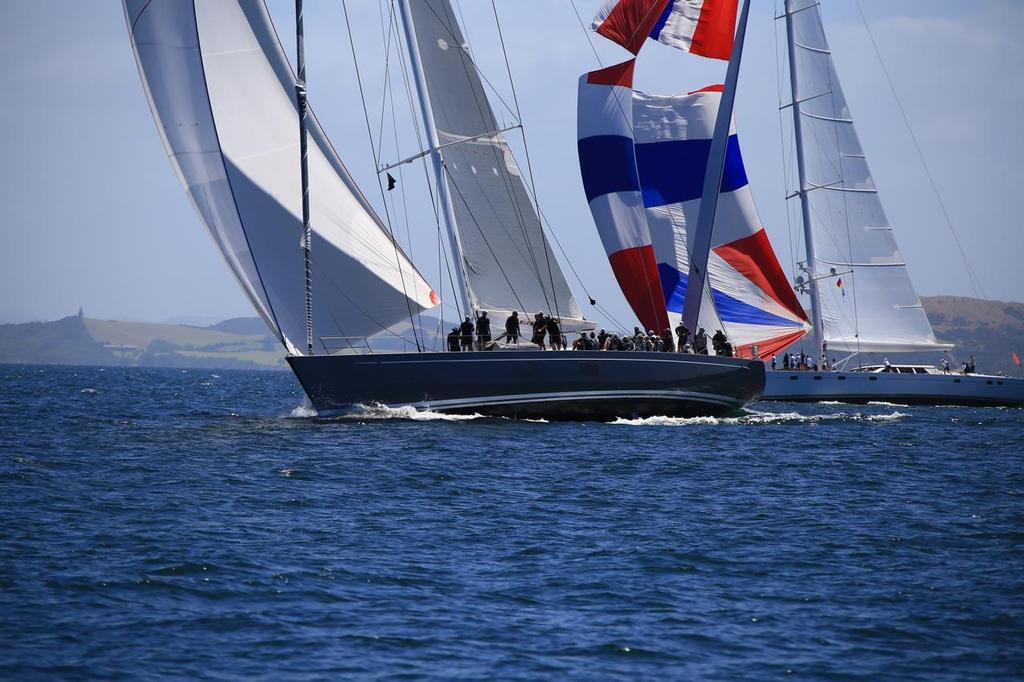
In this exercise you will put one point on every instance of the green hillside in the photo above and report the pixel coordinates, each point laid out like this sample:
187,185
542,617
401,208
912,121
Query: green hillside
85,341
990,330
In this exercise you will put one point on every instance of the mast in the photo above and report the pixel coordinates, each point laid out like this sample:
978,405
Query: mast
445,197
701,245
805,208
307,230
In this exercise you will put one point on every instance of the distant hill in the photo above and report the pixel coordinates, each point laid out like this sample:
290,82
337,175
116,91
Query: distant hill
84,341
63,342
990,330
245,326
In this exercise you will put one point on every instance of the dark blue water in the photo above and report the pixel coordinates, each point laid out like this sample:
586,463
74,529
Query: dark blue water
159,523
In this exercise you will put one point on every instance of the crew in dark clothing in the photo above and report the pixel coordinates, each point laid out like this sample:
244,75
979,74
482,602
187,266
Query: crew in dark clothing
539,330
580,343
666,341
483,330
601,338
727,349
718,342
700,342
467,334
512,328
594,345
555,334
453,340
683,335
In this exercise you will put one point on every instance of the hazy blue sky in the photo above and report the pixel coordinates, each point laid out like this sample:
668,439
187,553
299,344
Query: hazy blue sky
91,213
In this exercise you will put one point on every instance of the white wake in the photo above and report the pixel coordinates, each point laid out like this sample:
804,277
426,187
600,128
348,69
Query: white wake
754,417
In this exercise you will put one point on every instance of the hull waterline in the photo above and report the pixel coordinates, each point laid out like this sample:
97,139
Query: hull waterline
533,384
910,389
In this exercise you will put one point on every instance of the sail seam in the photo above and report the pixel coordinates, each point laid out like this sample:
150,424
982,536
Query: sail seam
227,176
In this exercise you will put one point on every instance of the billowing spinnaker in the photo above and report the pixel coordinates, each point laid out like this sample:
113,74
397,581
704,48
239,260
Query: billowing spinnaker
876,309
752,295
700,27
222,92
608,166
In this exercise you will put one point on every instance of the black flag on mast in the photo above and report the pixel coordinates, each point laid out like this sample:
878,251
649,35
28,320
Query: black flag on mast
391,182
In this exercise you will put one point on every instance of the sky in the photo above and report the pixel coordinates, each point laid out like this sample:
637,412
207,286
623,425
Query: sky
92,215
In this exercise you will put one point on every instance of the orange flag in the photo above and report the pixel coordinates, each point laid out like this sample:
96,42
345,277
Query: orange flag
1016,360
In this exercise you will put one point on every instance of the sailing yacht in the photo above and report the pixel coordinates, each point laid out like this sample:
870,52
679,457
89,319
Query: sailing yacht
861,295
326,273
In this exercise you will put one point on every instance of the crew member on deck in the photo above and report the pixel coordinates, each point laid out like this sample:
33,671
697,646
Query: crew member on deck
700,342
666,341
539,330
483,330
467,334
512,328
683,335
453,340
718,342
555,334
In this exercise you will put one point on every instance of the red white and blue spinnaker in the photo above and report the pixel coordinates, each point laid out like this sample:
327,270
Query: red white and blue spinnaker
643,160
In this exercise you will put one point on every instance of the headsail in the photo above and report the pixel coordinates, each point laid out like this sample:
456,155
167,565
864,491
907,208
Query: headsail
509,263
751,292
868,302
222,92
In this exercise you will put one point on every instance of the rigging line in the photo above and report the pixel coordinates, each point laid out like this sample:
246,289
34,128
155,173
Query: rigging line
480,73
586,33
326,275
526,149
390,96
842,182
786,175
971,275
380,185
483,236
608,316
434,200
488,123
386,90
565,256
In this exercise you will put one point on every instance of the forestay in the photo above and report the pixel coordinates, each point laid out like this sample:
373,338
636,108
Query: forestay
509,263
751,292
223,94
869,303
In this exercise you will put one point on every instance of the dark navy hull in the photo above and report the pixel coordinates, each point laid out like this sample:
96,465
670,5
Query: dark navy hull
534,384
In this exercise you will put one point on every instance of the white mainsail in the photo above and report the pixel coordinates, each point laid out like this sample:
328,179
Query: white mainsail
508,262
868,303
223,94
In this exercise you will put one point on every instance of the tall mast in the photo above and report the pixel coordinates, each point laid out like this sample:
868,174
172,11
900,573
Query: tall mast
700,246
307,231
445,197
805,208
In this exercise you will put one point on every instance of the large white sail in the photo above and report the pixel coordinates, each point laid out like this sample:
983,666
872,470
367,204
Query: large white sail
509,263
869,303
223,94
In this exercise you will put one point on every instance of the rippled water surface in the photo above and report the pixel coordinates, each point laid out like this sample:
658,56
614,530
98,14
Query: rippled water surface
159,523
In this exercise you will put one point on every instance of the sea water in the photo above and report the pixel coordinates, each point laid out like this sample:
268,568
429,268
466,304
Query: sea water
198,524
